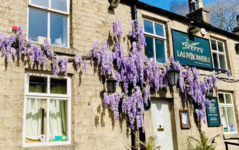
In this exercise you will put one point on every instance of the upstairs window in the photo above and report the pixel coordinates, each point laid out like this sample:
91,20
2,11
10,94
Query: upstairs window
227,113
219,54
49,19
155,40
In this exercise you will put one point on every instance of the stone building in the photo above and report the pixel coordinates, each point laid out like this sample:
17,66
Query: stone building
73,26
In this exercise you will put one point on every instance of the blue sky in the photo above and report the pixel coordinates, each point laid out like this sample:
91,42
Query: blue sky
165,3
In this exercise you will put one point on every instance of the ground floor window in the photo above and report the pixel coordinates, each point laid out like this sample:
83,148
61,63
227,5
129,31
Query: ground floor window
47,110
227,113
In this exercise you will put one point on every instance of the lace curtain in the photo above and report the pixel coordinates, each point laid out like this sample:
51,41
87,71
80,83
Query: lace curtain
58,114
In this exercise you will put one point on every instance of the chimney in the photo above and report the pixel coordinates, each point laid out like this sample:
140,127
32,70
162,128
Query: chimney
201,14
191,4
199,4
236,30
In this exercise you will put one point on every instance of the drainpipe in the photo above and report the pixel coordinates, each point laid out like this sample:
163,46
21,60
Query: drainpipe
134,9
141,132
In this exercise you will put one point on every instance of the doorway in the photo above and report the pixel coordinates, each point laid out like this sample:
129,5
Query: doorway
162,125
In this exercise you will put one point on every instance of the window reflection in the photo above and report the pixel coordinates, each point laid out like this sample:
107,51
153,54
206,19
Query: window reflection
38,84
220,47
159,29
160,51
215,60
37,25
222,62
149,48
58,30
59,5
148,27
43,3
214,44
58,86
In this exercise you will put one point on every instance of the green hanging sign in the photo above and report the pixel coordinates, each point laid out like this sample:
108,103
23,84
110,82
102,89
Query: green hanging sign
213,116
191,50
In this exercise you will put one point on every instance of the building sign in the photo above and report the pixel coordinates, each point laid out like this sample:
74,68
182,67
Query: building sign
191,50
213,117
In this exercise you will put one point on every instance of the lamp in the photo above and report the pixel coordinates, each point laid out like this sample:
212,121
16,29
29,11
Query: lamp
210,94
114,3
111,85
194,29
173,75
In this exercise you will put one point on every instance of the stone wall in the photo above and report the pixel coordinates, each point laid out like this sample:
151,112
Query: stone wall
92,125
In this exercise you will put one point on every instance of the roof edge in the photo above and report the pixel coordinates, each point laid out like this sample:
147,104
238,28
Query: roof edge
180,18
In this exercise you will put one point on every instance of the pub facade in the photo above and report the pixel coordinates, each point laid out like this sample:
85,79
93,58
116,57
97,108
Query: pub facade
41,111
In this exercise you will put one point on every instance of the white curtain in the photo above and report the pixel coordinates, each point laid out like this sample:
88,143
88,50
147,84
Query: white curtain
34,115
58,109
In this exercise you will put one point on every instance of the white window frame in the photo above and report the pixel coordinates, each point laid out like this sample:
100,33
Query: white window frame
48,96
154,36
217,52
228,105
50,10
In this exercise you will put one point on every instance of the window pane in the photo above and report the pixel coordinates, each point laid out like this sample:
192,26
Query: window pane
36,120
43,3
221,99
59,5
59,30
160,51
149,48
58,120
231,121
37,84
215,61
37,25
214,44
222,61
224,119
220,46
148,27
228,98
159,29
58,86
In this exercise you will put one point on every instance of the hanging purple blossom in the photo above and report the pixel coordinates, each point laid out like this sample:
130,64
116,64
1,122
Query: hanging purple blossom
78,60
21,41
229,74
55,66
84,67
44,62
64,63
118,29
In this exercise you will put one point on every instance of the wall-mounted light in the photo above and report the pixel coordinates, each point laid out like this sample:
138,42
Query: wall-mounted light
173,76
194,30
114,3
111,85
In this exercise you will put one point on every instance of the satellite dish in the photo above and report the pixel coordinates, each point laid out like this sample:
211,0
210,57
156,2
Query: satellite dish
114,3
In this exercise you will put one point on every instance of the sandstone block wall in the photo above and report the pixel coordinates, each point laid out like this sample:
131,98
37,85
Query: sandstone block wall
92,125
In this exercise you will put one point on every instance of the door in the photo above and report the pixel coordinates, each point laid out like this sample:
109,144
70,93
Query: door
162,126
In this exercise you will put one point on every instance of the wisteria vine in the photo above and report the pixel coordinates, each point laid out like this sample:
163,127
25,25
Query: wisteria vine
16,46
135,70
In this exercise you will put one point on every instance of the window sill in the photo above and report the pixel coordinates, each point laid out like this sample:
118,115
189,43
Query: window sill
230,133
55,144
60,49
